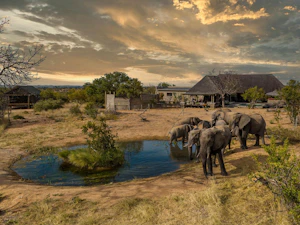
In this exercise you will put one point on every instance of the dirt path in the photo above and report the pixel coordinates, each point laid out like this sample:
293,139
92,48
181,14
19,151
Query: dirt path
18,194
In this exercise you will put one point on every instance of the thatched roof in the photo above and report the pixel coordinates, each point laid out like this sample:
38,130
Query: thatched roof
207,86
23,90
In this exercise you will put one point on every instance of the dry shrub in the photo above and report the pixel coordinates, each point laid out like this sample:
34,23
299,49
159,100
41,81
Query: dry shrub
281,133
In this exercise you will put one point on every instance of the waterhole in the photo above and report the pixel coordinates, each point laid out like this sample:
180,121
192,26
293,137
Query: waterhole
143,159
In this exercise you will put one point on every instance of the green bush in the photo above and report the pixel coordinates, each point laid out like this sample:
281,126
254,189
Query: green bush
45,105
101,151
281,173
91,110
18,117
75,110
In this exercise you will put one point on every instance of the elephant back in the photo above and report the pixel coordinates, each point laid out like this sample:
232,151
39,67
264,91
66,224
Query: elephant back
188,120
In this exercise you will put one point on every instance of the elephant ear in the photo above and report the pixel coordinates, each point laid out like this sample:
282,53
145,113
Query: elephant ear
220,115
193,137
188,128
244,120
195,120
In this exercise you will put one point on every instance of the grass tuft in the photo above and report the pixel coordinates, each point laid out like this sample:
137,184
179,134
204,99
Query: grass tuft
227,202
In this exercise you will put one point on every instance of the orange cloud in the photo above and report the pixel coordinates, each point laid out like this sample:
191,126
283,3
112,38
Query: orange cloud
290,8
231,11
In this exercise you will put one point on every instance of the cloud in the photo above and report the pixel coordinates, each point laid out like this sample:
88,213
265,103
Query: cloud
230,11
239,24
290,8
156,40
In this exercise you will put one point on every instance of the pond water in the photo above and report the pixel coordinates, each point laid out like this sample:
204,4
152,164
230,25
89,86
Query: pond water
143,159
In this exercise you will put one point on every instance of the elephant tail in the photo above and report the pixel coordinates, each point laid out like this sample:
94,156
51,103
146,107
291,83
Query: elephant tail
266,134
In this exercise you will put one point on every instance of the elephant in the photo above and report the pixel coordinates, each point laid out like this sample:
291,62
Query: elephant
204,124
190,120
180,131
257,126
241,124
210,141
220,123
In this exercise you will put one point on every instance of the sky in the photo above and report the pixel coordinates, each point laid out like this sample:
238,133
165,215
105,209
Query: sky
174,41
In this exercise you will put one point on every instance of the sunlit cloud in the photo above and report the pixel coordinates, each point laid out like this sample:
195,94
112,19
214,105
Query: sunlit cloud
239,25
231,11
290,8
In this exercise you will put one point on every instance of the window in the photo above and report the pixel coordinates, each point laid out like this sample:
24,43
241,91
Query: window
169,94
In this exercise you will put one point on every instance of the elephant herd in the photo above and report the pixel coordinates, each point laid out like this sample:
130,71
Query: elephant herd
211,138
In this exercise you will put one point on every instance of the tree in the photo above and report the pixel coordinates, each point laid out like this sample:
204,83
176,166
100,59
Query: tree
116,82
77,95
291,95
149,90
3,22
226,84
253,94
16,64
164,85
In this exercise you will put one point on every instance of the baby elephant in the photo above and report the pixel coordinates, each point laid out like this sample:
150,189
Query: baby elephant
180,131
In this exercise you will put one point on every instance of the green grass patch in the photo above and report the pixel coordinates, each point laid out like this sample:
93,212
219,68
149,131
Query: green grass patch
86,158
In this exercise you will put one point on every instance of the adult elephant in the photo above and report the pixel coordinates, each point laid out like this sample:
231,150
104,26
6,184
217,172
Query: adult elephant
204,124
242,124
257,126
190,120
180,131
211,141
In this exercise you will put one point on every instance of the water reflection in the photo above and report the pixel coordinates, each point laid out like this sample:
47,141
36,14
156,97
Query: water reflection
178,152
143,159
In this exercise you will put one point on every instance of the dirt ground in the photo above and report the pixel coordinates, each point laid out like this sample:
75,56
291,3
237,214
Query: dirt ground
46,131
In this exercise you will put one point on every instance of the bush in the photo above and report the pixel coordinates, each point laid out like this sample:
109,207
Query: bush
45,105
101,151
285,133
91,110
18,117
75,110
281,173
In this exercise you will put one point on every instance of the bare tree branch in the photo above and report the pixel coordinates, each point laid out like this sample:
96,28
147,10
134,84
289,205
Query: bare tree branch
16,65
3,22
227,84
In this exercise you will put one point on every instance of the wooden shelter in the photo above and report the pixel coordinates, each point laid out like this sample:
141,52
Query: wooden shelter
208,86
22,96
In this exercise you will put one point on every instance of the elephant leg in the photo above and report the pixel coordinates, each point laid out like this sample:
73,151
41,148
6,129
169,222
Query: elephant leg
244,140
241,141
203,159
222,166
190,150
229,143
197,153
245,132
256,140
209,163
214,161
263,139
